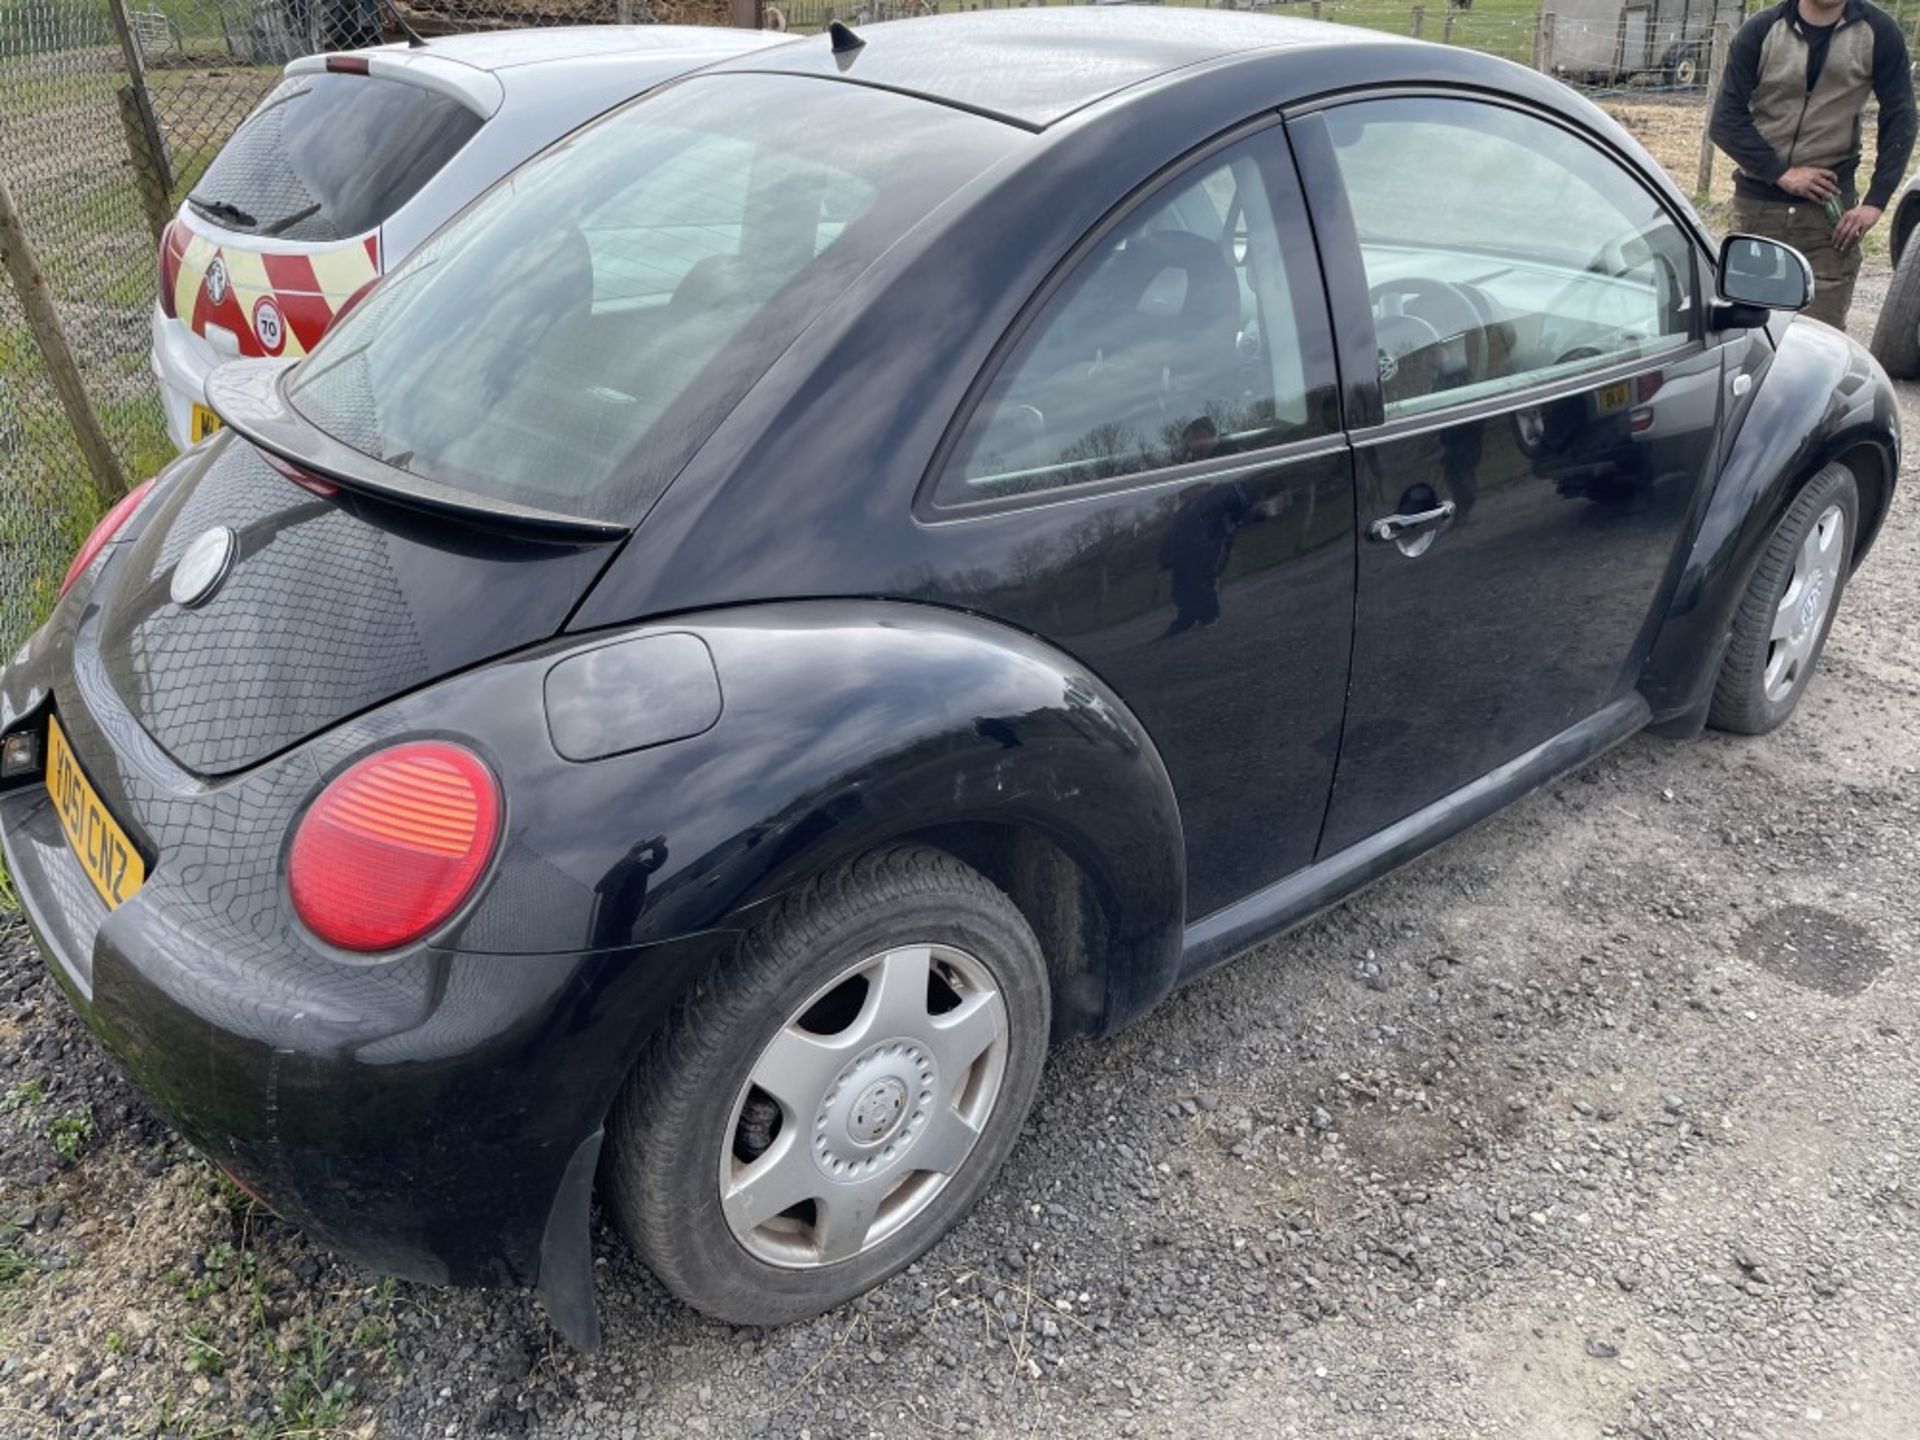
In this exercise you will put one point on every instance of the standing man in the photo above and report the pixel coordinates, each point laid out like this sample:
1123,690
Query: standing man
1796,84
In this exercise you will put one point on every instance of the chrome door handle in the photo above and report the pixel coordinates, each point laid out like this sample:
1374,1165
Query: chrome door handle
1395,526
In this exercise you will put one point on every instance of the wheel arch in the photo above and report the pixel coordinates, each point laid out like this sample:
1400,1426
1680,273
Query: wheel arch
1873,475
1071,897
850,726
1820,401
1067,900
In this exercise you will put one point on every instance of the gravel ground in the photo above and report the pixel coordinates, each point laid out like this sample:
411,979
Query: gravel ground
1592,1123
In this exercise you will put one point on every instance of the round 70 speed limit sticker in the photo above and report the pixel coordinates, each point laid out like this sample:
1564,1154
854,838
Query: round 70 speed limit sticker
269,326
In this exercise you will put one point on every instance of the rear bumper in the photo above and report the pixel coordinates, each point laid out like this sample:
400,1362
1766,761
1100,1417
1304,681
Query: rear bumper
434,1114
181,361
423,1126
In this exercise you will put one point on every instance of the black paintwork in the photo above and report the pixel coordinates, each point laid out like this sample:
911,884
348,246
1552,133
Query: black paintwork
1010,680
1816,397
333,604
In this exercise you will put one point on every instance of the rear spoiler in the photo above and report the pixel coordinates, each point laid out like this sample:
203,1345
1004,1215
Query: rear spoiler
479,90
247,396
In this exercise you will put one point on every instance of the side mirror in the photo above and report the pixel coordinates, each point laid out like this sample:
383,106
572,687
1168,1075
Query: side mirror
1756,275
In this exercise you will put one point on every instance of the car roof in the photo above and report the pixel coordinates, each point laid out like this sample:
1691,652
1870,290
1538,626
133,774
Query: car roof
1032,67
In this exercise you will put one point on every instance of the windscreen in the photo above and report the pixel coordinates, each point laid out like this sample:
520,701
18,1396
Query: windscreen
330,156
571,339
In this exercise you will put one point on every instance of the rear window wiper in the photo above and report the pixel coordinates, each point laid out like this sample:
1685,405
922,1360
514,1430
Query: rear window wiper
223,210
286,222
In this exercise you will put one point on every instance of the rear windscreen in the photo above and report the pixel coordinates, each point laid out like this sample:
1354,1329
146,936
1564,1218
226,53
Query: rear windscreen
572,338
331,156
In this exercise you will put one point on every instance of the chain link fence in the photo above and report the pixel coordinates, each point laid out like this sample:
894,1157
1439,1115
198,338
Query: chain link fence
65,161
207,63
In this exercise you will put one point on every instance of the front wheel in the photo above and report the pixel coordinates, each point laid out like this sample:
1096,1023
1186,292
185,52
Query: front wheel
1782,624
826,1105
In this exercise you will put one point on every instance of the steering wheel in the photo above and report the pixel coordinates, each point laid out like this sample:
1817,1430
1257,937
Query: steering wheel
1447,308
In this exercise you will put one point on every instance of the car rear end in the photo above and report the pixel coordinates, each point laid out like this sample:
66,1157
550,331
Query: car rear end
165,760
285,228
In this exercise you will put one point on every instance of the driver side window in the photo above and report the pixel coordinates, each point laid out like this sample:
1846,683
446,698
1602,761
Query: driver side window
1175,340
1502,251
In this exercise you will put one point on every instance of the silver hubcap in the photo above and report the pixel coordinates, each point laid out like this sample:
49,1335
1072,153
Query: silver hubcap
1801,616
863,1105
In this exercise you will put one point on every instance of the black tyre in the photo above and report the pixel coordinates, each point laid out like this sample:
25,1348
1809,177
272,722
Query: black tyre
1896,334
1783,621
824,1106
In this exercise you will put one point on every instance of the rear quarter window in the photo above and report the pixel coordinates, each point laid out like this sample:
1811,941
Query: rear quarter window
331,156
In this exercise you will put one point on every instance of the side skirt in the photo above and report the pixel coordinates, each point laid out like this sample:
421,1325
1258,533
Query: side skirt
1265,913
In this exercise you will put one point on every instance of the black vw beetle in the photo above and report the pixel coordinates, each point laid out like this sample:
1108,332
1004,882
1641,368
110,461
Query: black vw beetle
878,558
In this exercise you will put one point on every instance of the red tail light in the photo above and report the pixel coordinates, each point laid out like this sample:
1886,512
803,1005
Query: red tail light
108,527
171,244
394,845
347,64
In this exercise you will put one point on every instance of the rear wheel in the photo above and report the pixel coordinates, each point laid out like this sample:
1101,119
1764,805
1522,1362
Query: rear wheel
830,1102
1783,621
1896,334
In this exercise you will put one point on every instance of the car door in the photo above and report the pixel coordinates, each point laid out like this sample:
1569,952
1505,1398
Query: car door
1154,478
1533,402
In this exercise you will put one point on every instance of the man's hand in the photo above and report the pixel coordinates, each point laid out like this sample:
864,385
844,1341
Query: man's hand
1810,182
1855,223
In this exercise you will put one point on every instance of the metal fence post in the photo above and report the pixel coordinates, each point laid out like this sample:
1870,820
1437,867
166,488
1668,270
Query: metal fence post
1543,42
1419,21
44,321
1716,61
149,151
1446,30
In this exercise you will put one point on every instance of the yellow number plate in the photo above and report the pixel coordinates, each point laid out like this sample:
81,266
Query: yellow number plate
1616,396
105,852
202,423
